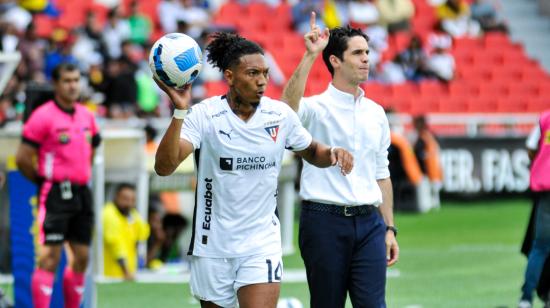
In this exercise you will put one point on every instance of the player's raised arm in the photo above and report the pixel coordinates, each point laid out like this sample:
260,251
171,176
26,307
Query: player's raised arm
315,40
172,149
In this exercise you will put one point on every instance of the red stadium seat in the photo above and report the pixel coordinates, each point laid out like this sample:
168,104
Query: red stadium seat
425,104
215,88
454,104
483,104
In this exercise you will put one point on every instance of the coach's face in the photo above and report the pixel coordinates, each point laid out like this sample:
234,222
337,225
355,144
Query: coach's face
354,66
249,78
125,200
67,87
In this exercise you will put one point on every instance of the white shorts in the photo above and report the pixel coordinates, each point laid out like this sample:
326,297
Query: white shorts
217,280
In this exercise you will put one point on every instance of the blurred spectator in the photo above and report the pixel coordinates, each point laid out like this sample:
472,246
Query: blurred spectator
169,12
9,37
426,150
7,110
362,13
173,225
32,51
140,25
33,5
485,12
301,12
93,31
378,44
441,63
15,15
405,172
120,89
86,51
59,50
395,14
454,18
123,229
196,17
116,31
391,72
413,60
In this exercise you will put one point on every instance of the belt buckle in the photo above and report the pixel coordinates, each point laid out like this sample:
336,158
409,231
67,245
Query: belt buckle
346,213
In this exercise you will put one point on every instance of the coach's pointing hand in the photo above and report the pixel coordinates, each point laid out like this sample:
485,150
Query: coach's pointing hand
316,40
343,158
181,98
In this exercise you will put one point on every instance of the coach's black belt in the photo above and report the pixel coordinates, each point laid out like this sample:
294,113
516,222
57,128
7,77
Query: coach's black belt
341,210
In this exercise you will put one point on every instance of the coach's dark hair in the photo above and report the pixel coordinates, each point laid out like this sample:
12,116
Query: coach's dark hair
66,67
123,186
338,43
227,49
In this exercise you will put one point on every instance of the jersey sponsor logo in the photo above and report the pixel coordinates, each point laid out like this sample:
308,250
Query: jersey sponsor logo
226,163
207,204
273,131
246,163
547,137
227,134
219,114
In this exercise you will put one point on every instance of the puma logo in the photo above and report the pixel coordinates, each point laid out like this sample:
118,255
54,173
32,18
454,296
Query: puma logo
228,135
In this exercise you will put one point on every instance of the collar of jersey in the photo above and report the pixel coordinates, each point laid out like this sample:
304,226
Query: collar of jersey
67,111
343,96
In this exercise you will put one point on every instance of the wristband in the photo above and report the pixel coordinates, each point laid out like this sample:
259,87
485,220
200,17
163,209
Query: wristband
332,149
180,113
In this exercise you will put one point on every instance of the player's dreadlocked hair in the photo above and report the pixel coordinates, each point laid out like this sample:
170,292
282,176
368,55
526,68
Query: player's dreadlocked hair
338,43
227,48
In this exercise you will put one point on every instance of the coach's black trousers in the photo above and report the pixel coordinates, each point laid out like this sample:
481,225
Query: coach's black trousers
341,254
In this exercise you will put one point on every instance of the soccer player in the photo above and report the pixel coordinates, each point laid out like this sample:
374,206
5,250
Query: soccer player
62,134
357,239
238,140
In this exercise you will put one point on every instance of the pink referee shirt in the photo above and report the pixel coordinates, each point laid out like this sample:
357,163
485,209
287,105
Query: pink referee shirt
65,140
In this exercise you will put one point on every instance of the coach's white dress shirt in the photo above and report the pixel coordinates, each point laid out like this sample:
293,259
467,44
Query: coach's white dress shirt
358,125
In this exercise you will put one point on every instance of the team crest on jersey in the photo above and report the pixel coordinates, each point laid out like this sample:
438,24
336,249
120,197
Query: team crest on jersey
273,131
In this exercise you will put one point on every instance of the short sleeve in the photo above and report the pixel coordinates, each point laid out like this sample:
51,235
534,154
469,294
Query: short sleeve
35,130
382,162
193,123
96,137
298,137
305,111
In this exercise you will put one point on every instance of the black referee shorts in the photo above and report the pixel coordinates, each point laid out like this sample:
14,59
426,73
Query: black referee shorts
65,219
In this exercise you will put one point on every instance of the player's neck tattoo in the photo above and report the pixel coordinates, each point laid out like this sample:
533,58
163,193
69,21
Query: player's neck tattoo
240,108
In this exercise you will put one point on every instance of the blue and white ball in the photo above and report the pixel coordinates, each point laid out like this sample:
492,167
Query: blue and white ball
176,59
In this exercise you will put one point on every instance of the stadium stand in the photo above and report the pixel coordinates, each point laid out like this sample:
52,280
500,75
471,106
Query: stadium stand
493,74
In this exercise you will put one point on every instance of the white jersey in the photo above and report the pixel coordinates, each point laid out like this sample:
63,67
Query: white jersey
237,166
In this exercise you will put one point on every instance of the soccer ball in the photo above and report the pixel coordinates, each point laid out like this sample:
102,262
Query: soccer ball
289,302
176,59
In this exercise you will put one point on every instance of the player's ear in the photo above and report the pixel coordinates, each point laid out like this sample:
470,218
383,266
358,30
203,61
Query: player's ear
334,61
228,75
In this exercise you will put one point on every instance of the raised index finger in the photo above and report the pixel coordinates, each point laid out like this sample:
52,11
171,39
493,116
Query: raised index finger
312,20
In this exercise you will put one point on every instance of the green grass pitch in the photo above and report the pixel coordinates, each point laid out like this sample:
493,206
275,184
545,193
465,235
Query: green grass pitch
464,255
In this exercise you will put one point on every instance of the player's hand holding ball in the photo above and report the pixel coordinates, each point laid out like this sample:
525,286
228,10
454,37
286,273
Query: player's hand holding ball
176,61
